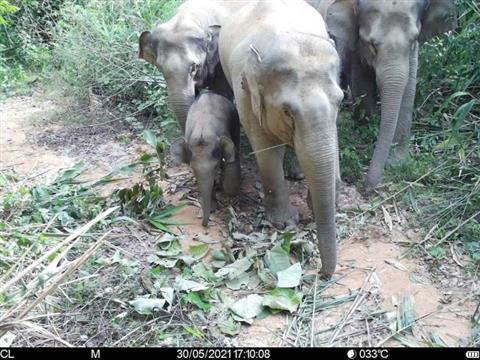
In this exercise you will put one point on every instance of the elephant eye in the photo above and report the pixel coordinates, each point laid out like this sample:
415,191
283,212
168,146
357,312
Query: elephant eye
217,153
193,68
373,48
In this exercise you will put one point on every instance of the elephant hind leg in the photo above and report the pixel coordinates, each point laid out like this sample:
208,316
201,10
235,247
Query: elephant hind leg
231,178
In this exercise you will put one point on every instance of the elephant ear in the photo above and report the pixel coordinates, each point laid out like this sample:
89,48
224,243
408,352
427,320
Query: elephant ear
180,152
342,23
439,17
228,149
212,58
145,48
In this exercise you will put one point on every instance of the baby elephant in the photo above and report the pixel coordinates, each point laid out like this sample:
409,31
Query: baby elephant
212,139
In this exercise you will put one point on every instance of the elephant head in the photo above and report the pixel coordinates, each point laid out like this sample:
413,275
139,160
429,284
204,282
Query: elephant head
184,58
386,37
204,157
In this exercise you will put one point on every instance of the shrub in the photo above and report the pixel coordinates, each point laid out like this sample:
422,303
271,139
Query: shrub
25,40
447,132
96,47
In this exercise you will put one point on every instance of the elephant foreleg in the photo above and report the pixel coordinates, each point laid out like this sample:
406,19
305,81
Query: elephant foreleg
404,125
269,154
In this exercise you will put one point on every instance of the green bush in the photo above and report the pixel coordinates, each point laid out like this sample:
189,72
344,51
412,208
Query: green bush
447,133
96,52
25,40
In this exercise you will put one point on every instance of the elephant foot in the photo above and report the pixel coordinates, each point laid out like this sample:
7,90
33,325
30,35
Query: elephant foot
295,174
281,218
292,167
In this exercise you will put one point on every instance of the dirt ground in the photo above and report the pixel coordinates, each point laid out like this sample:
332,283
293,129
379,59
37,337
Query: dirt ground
368,253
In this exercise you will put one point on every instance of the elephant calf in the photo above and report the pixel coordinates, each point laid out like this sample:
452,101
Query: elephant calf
212,139
284,69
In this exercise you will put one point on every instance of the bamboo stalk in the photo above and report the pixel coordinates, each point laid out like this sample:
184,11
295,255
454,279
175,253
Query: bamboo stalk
76,234
71,269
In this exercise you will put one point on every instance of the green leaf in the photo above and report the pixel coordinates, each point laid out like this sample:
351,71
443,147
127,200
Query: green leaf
238,282
166,238
249,307
264,314
160,226
168,294
194,332
219,255
282,299
204,272
286,240
111,177
198,251
189,285
230,327
170,249
167,212
147,306
277,259
164,262
6,340
68,175
150,138
267,277
240,319
234,270
461,114
290,278
195,298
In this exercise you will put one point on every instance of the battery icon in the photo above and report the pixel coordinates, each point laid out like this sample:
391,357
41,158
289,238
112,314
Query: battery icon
473,354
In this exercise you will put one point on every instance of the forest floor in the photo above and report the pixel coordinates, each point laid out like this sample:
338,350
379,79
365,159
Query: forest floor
374,283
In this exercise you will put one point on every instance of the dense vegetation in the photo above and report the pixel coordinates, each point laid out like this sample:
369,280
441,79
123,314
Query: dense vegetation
88,48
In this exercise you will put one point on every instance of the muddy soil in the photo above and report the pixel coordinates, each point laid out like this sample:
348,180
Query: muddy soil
37,149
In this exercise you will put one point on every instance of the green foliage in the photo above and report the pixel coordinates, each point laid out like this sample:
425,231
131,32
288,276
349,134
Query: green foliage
26,213
6,8
356,143
63,202
447,136
144,198
25,41
96,52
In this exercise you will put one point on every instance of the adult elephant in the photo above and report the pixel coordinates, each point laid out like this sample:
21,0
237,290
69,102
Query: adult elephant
283,69
378,42
178,48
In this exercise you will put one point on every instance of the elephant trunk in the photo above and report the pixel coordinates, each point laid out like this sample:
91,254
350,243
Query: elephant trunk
317,156
180,97
392,81
205,185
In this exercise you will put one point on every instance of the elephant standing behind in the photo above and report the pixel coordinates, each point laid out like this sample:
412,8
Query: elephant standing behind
178,48
283,69
378,43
